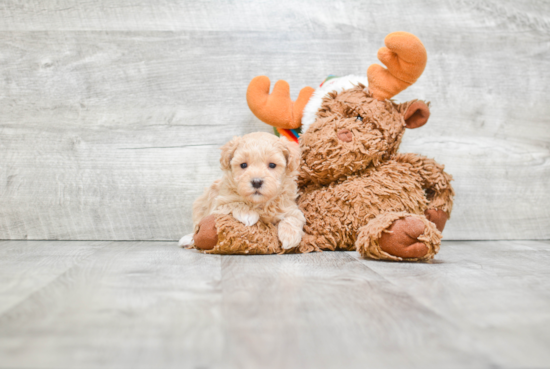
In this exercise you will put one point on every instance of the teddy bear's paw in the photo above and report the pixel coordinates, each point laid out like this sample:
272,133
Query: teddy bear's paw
186,240
206,236
401,239
246,216
437,217
289,235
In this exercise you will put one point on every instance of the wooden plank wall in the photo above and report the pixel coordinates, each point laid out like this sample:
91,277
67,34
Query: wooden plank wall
112,112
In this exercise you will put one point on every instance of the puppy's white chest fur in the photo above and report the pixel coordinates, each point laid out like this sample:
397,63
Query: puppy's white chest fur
248,217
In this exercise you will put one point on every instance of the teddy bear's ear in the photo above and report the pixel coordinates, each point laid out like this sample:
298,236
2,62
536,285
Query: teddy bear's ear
228,150
417,114
292,154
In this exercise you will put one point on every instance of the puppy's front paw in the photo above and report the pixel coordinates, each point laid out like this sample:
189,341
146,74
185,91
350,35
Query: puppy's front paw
246,217
186,240
289,235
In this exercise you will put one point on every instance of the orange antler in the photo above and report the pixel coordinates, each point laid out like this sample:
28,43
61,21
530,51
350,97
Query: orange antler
405,57
277,109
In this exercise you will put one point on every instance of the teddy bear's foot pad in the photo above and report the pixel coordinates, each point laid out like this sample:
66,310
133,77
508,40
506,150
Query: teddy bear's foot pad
206,237
437,217
398,236
401,239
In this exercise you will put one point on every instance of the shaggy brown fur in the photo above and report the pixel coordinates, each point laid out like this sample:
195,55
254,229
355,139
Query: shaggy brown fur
354,187
237,238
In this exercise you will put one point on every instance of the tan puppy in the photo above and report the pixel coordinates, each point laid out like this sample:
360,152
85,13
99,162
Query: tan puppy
259,183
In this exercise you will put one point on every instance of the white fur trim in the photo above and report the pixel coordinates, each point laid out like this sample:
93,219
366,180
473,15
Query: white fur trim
335,84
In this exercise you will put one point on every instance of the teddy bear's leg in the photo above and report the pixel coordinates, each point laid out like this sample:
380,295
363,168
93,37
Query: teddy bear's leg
206,236
437,184
223,234
313,243
327,240
399,236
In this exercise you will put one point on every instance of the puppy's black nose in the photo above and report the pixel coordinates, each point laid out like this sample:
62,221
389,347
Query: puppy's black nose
257,183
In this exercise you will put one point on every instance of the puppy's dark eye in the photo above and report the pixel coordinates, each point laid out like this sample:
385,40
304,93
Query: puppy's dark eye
359,118
244,165
272,165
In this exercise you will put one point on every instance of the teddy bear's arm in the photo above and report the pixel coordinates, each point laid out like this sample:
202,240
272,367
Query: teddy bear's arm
435,181
223,234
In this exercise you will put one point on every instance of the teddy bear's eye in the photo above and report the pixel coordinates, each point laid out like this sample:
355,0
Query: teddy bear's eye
359,118
244,165
272,165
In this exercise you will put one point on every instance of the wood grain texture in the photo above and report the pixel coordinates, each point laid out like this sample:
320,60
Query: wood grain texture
495,291
112,112
129,305
152,304
25,269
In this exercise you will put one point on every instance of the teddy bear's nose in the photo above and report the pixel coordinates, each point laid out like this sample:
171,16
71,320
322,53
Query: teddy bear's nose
345,135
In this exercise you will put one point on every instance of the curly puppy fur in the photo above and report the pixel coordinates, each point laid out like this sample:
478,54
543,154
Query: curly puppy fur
258,186
355,188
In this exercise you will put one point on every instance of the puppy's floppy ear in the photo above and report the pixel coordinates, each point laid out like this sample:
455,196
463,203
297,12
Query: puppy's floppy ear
228,150
292,154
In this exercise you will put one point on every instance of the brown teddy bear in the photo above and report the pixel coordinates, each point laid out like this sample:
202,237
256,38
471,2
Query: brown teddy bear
356,191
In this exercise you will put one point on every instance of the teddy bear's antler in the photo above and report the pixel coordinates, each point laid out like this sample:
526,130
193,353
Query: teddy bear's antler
405,57
277,109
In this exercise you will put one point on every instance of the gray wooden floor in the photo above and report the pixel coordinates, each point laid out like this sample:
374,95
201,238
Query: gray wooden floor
66,304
